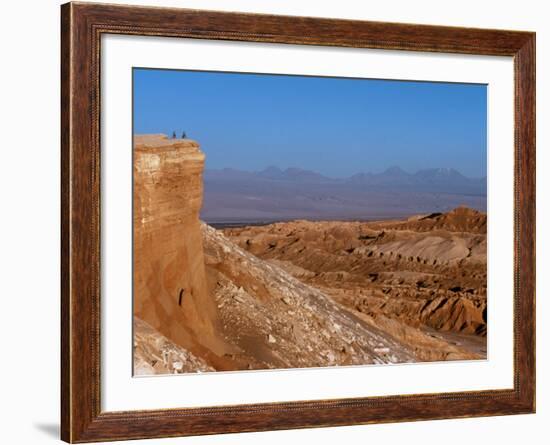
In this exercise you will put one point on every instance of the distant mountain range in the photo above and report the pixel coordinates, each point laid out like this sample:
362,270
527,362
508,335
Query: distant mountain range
274,194
435,180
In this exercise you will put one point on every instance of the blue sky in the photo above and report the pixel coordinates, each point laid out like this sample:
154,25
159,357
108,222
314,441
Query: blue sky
335,126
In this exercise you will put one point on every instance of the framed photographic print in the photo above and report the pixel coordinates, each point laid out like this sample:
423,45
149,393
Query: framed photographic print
275,222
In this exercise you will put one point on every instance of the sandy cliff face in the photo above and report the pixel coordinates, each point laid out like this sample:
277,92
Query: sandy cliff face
170,290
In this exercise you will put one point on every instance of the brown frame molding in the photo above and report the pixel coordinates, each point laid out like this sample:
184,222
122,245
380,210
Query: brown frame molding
82,25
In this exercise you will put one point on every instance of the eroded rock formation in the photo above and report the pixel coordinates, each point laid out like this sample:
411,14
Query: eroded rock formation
428,271
170,289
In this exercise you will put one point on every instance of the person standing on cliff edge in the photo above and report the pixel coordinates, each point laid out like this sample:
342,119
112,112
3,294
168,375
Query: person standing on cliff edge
173,135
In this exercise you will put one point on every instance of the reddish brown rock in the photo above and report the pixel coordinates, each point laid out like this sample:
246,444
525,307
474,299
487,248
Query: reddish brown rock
428,271
170,290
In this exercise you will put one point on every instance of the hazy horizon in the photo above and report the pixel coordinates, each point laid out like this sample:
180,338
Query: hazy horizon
334,126
377,172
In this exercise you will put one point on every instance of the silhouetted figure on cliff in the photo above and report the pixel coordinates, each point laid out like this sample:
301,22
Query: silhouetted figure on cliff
183,135
173,135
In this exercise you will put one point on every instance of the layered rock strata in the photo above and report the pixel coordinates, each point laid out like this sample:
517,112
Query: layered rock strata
170,289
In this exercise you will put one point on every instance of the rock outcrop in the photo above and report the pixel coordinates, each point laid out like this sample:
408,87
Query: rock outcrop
170,288
461,219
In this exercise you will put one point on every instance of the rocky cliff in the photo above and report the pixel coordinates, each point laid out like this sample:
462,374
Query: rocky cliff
170,290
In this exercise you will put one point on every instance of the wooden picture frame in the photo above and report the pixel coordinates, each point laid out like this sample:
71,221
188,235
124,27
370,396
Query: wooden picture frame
82,25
